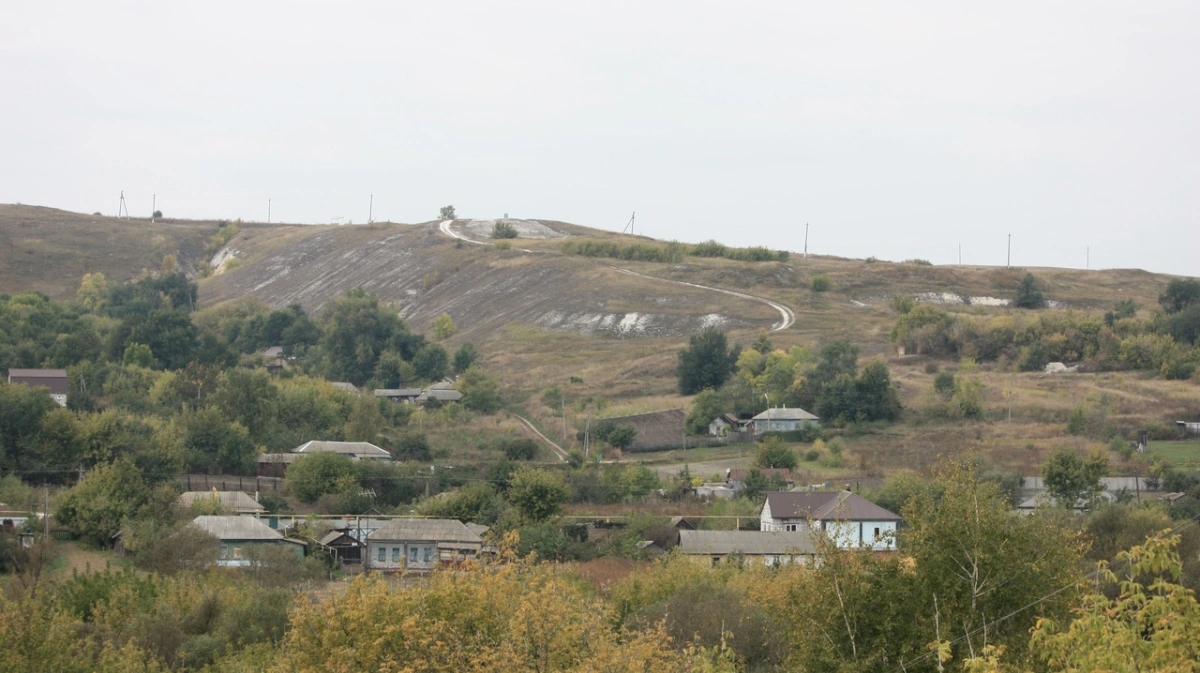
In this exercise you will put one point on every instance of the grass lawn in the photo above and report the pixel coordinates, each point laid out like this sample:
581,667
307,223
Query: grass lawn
1177,453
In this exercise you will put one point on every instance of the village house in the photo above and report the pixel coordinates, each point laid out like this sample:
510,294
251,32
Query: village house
229,502
55,380
735,477
274,464
783,419
752,547
405,395
355,450
241,535
420,544
848,519
723,425
273,358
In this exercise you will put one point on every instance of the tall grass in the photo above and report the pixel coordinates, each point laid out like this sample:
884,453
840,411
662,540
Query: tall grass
672,252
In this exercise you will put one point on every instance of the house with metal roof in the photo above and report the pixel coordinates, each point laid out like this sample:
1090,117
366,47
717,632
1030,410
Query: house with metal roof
753,547
240,536
420,544
849,520
54,380
230,502
356,450
782,419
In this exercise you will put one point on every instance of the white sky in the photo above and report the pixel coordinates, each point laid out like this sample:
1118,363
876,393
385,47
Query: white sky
897,130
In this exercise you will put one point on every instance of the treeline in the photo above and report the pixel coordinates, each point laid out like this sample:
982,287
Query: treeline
175,390
672,252
973,587
1167,342
744,382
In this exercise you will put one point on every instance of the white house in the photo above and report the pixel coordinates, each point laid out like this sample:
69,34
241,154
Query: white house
783,419
420,544
848,519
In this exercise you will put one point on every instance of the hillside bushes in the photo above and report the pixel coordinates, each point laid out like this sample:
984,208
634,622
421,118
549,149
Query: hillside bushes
672,252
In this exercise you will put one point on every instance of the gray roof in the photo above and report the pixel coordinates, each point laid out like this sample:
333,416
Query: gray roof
361,449
826,506
432,530
273,352
441,395
237,528
786,414
752,542
231,501
398,392
477,528
277,457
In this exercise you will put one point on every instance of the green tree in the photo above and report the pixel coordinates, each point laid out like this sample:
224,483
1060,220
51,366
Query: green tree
412,445
1077,422
447,213
621,437
356,329
707,362
21,412
706,406
478,501
138,355
1069,478
944,384
773,453
464,357
876,396
537,494
444,327
392,371
755,485
365,421
1152,623
431,362
214,444
93,291
520,449
249,397
96,507
1180,294
1029,293
480,392
313,475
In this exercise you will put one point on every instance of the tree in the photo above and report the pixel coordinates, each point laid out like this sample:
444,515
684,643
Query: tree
447,213
250,398
138,355
754,485
1180,294
444,327
877,399
464,357
21,412
214,444
365,421
705,407
96,507
707,362
412,445
430,362
520,449
1151,624
93,291
944,384
480,392
773,453
356,329
1069,478
315,474
537,494
1029,294
621,437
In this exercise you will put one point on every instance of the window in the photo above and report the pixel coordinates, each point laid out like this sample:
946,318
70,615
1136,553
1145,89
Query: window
237,553
224,551
790,527
428,554
876,533
395,554
383,554
412,555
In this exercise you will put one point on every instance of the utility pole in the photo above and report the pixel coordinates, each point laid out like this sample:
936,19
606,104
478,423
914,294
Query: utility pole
960,254
806,240
1088,263
268,211
1008,264
123,208
371,209
564,416
153,206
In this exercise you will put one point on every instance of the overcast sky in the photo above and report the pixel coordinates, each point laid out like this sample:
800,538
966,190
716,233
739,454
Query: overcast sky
898,130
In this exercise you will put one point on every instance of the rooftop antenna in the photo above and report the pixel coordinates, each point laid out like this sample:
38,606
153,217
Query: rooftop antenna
122,208
629,224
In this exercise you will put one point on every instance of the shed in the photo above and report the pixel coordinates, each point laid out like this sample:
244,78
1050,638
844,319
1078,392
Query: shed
54,380
232,502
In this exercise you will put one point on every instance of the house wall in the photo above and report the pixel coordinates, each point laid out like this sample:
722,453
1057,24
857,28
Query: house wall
751,560
400,555
845,534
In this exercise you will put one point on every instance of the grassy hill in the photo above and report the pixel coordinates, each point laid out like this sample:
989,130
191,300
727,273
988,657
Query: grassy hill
605,331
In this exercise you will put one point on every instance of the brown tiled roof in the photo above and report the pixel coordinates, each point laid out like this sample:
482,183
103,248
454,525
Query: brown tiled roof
826,506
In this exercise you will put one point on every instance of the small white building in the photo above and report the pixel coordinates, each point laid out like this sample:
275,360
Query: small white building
783,419
420,544
848,519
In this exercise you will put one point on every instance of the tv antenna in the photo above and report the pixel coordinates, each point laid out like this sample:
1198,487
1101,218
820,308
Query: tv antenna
123,208
629,224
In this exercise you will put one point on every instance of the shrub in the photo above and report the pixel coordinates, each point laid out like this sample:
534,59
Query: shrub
447,213
503,230
821,283
519,449
1029,293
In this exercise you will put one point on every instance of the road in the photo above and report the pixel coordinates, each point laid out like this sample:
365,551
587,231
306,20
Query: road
562,455
788,315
